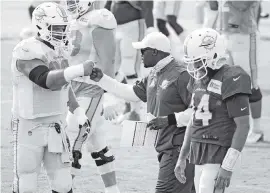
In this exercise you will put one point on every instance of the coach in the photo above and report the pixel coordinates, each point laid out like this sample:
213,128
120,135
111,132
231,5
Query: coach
165,91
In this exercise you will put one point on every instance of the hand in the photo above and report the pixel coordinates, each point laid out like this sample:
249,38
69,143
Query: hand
96,75
179,171
110,112
158,123
256,95
88,66
223,179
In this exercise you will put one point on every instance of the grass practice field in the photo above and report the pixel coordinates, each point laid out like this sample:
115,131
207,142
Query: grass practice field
136,167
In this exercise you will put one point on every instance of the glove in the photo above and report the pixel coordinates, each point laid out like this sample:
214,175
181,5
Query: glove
88,66
150,30
96,74
256,95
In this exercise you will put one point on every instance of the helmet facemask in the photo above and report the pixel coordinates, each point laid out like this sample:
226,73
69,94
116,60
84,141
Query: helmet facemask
75,8
58,35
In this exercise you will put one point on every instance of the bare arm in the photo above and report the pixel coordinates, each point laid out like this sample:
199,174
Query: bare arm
186,144
40,74
104,43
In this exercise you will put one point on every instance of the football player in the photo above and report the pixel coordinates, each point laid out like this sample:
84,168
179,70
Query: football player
131,17
240,27
219,127
41,77
92,37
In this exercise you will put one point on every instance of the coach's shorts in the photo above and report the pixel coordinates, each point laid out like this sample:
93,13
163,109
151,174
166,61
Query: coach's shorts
164,8
167,182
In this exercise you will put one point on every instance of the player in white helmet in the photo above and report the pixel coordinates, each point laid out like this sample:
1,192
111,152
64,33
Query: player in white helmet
92,37
41,76
219,125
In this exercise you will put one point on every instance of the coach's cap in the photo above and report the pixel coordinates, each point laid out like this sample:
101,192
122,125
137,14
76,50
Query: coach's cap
155,40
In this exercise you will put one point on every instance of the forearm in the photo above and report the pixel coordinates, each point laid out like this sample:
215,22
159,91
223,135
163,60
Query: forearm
124,91
241,133
185,149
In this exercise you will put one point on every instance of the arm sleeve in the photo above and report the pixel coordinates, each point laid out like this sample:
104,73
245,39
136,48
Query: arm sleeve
235,82
182,84
140,89
121,90
147,11
104,43
238,105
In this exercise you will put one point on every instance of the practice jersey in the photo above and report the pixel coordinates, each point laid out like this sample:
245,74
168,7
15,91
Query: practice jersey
211,120
31,101
82,47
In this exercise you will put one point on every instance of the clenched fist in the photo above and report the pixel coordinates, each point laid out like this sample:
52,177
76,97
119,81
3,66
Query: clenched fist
88,66
96,75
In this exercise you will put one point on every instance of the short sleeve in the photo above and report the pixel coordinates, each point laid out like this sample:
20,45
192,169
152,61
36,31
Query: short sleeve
238,105
182,86
140,89
235,81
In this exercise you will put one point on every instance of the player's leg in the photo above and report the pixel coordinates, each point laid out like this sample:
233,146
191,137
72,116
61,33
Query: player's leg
199,11
256,133
211,14
58,172
97,146
207,178
197,176
167,181
28,155
159,8
172,9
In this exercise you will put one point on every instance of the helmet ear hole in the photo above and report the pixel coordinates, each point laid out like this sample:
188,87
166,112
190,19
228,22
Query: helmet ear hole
215,56
38,27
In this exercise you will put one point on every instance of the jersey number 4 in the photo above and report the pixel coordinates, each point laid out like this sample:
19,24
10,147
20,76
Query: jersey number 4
202,112
76,42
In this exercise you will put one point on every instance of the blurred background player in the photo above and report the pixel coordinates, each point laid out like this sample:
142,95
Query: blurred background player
239,24
217,131
134,19
92,37
41,77
167,11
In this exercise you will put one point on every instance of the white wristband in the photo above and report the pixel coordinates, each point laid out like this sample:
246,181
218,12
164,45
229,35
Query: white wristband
73,72
80,114
230,159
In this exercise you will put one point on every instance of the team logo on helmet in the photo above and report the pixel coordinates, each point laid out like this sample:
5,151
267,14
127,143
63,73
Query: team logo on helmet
39,14
208,42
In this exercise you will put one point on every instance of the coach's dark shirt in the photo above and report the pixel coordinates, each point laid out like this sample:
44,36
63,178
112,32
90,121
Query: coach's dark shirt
166,93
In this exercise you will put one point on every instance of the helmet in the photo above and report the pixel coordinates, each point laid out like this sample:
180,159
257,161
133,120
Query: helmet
77,8
51,21
204,48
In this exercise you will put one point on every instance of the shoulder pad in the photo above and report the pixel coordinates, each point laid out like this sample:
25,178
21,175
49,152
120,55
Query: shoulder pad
101,18
28,49
235,81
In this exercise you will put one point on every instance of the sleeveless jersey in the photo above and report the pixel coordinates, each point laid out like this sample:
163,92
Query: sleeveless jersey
82,47
211,121
31,101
